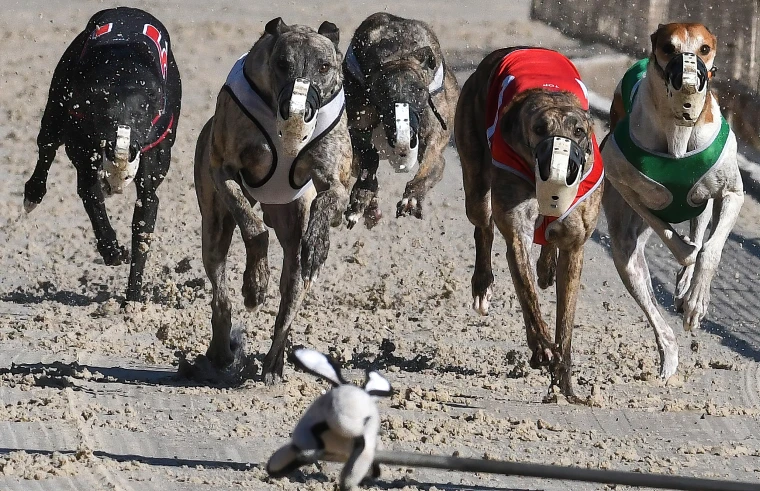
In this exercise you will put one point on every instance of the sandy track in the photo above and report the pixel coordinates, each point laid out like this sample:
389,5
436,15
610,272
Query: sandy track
87,394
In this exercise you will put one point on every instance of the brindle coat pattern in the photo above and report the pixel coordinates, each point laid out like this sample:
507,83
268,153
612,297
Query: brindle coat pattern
398,58
231,144
495,196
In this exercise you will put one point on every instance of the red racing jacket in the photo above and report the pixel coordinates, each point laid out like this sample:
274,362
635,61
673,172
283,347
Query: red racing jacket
535,68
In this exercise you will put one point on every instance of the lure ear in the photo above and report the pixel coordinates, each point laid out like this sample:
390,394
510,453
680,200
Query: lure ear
377,385
317,364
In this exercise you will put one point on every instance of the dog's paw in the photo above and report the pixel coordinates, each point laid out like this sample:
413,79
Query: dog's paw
409,206
220,355
314,248
668,363
480,303
34,191
544,355
372,214
115,255
29,206
255,282
683,283
273,367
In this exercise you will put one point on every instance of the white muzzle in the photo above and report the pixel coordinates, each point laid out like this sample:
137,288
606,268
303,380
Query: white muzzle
555,194
121,172
688,101
295,132
403,158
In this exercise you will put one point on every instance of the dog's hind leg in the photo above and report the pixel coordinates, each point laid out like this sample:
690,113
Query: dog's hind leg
289,222
476,174
629,234
697,229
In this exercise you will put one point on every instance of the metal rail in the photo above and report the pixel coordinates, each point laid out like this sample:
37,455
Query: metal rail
658,481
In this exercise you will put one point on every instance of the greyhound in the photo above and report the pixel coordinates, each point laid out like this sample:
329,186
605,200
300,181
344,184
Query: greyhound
531,164
278,138
401,97
671,157
114,103
343,423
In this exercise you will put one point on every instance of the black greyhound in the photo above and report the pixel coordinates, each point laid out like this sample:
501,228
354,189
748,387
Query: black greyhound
114,103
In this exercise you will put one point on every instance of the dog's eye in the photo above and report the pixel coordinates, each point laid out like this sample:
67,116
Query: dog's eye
282,64
704,49
579,132
669,49
324,68
540,130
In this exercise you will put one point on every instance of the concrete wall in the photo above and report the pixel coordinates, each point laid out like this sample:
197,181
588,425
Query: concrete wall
628,24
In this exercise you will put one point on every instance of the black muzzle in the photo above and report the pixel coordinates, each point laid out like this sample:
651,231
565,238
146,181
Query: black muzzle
674,72
313,101
544,153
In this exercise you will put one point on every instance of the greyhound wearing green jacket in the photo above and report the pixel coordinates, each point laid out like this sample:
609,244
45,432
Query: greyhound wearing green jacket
671,157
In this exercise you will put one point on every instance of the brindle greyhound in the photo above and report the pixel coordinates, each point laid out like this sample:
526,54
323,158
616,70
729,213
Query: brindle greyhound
114,103
401,96
278,137
671,157
524,134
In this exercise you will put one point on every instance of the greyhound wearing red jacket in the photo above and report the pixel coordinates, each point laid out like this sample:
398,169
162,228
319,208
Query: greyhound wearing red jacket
531,166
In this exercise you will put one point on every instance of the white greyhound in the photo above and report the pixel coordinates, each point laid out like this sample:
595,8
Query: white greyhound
671,157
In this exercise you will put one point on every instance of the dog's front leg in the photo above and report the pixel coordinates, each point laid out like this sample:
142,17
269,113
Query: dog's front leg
697,229
684,251
569,266
254,232
36,187
516,229
90,192
428,175
331,182
149,176
363,200
697,298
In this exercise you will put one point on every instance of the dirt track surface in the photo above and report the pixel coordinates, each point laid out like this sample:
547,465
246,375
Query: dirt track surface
89,397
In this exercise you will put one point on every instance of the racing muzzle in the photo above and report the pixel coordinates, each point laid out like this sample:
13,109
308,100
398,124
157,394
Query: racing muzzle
297,108
687,77
559,168
404,142
118,173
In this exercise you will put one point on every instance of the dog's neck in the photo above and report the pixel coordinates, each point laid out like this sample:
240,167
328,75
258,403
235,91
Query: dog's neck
654,127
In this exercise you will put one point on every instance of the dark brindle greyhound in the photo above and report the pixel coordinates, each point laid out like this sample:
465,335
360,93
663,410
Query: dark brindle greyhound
531,165
278,138
401,97
114,103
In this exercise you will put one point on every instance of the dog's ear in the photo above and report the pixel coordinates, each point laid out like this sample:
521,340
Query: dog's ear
275,27
425,56
511,127
653,37
330,31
